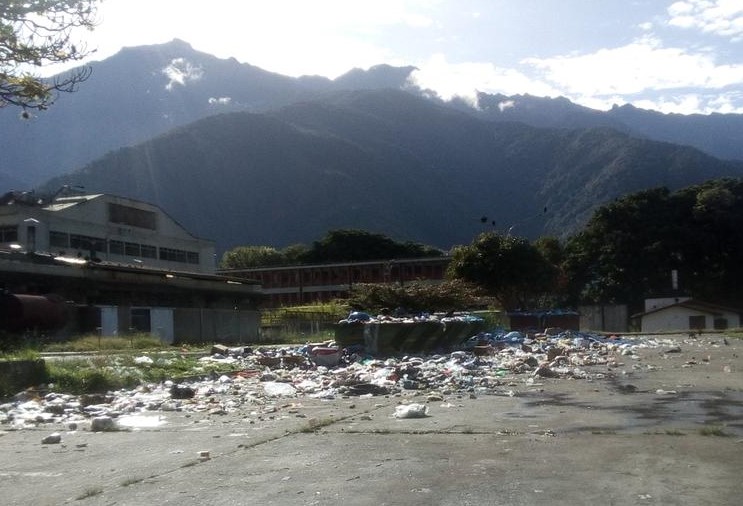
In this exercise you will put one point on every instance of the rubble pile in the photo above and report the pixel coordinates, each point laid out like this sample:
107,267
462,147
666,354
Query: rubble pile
487,363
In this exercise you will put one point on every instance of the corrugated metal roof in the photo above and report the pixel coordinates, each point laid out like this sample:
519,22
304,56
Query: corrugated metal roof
63,203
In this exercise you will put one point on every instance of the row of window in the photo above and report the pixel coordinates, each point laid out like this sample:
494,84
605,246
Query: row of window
342,275
85,243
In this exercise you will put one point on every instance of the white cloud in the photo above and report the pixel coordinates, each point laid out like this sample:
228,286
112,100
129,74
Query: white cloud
637,67
718,17
322,37
465,79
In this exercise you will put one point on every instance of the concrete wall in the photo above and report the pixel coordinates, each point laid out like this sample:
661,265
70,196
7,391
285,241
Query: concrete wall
15,375
606,318
215,325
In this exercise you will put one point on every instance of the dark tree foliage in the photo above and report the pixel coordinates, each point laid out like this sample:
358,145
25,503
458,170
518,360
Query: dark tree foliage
247,257
35,33
415,297
508,268
630,247
348,245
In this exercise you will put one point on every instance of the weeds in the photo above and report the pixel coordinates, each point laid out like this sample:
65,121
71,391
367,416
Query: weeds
314,424
103,373
713,431
92,342
674,432
90,492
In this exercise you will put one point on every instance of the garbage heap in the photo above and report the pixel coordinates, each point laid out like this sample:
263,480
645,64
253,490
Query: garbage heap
486,363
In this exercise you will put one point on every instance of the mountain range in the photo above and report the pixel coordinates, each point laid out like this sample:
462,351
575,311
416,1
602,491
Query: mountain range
245,156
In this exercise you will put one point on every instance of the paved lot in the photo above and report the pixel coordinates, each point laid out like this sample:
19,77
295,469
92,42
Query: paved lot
663,427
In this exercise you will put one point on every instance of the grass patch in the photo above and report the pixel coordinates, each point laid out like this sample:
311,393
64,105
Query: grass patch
674,432
314,424
20,354
108,372
90,492
713,431
92,342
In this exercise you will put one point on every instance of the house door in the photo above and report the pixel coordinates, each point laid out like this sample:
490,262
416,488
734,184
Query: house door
161,324
109,321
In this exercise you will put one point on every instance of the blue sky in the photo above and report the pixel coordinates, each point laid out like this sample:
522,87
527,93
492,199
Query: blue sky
681,56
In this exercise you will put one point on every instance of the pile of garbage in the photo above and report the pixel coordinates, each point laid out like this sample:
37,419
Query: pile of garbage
486,363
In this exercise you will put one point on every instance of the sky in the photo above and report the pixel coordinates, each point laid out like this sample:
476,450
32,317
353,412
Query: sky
673,56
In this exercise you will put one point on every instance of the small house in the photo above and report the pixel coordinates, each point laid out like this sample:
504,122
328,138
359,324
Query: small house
688,315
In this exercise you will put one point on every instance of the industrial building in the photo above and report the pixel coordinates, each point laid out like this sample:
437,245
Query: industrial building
294,285
118,265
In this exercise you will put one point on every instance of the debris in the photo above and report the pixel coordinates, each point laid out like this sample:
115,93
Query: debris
103,424
52,439
182,392
277,389
326,356
327,371
411,411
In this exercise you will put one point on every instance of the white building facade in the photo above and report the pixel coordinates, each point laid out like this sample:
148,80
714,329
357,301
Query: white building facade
103,227
688,315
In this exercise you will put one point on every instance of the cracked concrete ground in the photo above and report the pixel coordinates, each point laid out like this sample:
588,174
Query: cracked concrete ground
665,427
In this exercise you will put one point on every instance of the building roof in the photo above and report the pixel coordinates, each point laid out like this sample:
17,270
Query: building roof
694,305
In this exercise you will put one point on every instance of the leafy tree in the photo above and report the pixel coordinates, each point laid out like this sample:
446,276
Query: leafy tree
246,257
509,268
294,254
629,248
416,296
36,33
358,245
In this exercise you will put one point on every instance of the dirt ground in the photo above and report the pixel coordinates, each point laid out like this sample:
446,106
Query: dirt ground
661,427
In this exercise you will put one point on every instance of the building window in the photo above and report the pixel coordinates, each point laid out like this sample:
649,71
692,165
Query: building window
721,323
177,255
127,215
697,322
8,234
140,319
87,243
149,251
58,239
131,249
116,247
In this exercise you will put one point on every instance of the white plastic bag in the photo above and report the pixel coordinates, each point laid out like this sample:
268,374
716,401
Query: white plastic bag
411,411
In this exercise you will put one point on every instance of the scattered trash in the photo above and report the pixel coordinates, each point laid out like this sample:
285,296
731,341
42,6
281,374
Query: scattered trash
411,411
52,439
276,389
103,424
487,363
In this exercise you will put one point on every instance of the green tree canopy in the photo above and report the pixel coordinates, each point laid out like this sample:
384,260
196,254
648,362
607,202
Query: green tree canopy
451,295
246,257
34,33
629,248
357,245
509,268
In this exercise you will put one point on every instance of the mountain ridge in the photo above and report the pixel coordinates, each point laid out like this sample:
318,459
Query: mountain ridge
145,91
388,162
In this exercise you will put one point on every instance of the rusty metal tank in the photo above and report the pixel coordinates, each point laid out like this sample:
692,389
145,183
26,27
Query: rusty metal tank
20,312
